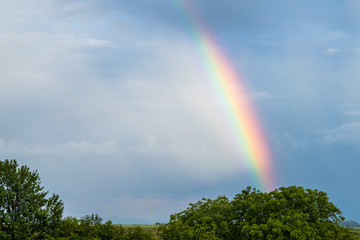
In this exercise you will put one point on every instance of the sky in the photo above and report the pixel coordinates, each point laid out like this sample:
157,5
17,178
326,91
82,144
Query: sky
110,101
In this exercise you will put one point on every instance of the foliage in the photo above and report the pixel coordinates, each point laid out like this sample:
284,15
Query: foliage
25,212
206,219
285,213
91,227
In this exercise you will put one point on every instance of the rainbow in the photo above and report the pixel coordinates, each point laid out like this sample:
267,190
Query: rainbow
239,110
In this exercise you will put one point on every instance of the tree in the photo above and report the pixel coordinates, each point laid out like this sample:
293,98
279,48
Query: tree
90,227
206,219
25,211
285,213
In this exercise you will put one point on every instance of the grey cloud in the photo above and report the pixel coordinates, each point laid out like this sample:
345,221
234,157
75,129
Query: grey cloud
112,95
261,95
14,147
347,133
63,123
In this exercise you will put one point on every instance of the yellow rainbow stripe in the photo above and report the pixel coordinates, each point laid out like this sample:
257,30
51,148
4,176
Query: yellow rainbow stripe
240,112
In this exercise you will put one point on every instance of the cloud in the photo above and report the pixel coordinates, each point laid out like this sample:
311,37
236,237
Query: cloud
351,113
149,104
347,133
290,140
114,96
150,146
261,95
82,41
14,147
146,209
195,158
331,51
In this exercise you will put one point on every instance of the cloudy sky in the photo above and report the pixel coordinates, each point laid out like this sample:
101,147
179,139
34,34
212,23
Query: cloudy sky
108,100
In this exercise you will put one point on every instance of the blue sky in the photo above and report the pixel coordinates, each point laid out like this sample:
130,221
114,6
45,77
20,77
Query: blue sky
108,100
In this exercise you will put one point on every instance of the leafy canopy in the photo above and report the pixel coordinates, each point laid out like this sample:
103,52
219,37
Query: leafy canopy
25,211
285,213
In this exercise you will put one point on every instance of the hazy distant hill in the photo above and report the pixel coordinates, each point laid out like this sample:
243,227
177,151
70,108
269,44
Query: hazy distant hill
349,223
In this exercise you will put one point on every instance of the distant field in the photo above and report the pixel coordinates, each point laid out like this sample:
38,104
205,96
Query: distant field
149,228
355,230
144,226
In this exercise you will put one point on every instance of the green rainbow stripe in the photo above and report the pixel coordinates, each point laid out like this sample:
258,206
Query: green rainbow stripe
239,110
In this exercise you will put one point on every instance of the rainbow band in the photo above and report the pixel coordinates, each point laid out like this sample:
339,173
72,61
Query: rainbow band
241,114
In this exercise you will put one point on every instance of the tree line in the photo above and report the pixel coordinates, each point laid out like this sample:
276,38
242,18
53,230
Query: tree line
26,212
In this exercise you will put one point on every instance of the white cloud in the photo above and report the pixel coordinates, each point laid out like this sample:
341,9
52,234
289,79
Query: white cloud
24,16
14,147
195,157
331,51
150,146
73,7
261,95
351,113
149,104
82,41
348,133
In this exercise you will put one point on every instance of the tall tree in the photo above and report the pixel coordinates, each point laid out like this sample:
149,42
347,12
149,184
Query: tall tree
285,213
25,210
206,219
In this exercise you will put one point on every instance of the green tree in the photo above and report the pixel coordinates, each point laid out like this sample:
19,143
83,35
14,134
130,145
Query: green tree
89,225
285,213
25,211
138,234
206,219
68,228
108,230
